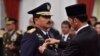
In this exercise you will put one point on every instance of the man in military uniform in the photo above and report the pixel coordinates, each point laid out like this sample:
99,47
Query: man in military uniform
34,37
12,38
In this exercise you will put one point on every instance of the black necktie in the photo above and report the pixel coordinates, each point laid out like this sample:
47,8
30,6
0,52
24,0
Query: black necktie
47,35
52,47
63,38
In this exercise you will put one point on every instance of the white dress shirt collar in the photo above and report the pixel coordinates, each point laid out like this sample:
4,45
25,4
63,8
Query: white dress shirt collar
81,28
66,36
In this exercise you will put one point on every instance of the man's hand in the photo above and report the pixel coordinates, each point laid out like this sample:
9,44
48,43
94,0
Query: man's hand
41,49
47,42
52,41
11,47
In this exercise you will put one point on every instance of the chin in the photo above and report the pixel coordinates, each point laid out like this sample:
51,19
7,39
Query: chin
46,27
75,28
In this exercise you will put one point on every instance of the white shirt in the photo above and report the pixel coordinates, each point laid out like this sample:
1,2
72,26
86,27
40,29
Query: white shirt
44,32
66,36
81,28
14,36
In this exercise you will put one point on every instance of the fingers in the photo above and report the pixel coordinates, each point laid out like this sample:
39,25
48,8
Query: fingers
47,40
41,49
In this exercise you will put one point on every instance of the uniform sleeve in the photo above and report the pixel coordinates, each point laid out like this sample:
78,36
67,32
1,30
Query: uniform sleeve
18,41
28,45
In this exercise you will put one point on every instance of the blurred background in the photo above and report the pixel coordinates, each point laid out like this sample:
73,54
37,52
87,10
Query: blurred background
18,9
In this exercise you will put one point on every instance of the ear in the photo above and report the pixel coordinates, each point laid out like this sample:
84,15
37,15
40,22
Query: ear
36,19
76,21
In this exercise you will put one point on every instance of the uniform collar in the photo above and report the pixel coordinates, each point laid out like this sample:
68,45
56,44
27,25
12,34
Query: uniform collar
66,35
44,32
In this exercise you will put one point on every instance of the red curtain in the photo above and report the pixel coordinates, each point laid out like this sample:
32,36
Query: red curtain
12,8
89,6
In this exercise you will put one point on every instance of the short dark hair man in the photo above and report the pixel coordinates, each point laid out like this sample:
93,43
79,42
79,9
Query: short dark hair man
93,20
85,43
65,35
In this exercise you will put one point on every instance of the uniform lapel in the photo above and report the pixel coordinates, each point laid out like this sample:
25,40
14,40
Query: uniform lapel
69,37
40,33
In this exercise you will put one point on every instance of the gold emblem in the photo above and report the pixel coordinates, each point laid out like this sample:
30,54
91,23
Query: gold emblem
18,32
39,36
31,30
48,7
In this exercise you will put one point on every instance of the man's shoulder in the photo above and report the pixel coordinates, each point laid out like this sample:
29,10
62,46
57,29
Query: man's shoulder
30,33
2,32
31,30
19,32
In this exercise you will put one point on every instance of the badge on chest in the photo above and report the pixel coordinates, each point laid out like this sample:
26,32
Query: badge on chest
40,36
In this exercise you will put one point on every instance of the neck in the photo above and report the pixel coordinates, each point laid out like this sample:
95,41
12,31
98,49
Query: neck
65,34
10,30
81,24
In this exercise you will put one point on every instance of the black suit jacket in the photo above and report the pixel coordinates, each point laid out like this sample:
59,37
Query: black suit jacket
1,46
54,32
67,42
99,43
84,44
69,38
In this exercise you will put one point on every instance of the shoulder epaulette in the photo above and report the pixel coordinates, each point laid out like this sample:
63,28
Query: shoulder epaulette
19,32
1,36
31,30
2,32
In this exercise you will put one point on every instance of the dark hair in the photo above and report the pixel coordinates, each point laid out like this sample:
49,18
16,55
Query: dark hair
93,17
66,23
96,24
36,16
30,27
89,22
